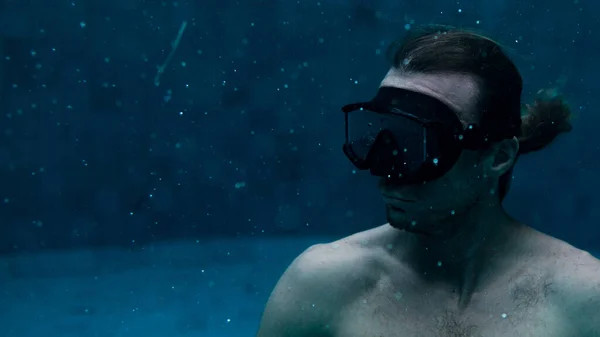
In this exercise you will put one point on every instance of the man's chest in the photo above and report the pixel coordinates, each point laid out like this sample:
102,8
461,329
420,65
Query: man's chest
449,324
524,308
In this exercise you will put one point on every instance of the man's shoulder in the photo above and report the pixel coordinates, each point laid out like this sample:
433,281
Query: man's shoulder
351,257
343,266
559,255
577,269
570,263
577,283
581,293
318,283
571,267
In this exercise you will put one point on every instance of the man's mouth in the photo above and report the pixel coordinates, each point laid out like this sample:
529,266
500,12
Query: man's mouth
396,203
395,208
393,199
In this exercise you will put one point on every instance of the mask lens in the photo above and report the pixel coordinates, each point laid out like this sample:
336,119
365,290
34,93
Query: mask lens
403,141
363,128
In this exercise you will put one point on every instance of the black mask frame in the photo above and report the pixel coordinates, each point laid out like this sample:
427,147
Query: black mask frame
443,137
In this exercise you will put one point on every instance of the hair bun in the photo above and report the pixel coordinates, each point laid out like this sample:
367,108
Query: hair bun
546,118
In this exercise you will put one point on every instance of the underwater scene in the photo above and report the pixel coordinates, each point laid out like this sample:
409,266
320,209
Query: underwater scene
272,168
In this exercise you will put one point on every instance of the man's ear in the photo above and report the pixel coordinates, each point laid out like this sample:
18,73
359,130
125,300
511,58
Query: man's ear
505,155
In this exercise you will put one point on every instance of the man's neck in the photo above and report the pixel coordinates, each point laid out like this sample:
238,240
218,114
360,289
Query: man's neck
467,260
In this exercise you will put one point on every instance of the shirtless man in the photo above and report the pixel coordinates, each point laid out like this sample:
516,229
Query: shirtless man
443,134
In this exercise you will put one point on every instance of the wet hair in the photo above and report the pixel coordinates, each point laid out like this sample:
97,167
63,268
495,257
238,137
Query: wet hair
435,48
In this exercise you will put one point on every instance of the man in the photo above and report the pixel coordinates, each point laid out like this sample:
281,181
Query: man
443,134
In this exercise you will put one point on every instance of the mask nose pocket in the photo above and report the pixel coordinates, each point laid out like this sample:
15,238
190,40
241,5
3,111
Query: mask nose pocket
384,156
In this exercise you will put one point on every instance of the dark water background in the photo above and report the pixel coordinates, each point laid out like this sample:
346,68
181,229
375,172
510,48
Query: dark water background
242,138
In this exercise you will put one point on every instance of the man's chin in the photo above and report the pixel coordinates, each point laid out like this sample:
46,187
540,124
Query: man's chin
412,229
419,231
397,218
399,226
400,221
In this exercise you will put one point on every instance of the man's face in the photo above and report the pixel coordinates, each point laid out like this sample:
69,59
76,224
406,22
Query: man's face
429,208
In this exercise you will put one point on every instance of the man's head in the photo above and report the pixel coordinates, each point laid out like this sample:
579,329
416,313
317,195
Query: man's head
472,76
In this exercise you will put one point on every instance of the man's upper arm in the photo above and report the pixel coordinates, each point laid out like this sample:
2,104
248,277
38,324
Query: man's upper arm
591,299
581,299
299,304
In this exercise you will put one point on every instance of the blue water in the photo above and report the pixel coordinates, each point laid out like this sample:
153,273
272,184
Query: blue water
206,288
162,162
